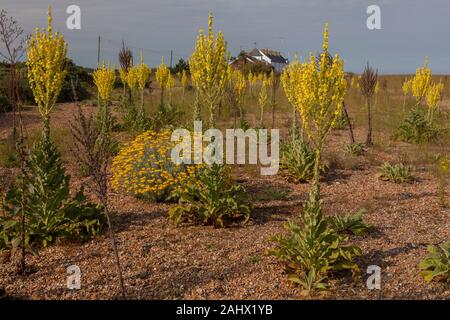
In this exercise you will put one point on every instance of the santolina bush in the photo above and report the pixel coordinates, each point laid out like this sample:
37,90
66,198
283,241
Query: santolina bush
144,167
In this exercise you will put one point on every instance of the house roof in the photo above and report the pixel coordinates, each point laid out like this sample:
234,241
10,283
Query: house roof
274,56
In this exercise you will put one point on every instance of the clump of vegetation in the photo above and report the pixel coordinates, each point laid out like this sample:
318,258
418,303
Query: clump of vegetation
313,249
349,224
211,198
436,266
298,159
418,127
273,194
356,148
443,169
8,154
144,167
398,173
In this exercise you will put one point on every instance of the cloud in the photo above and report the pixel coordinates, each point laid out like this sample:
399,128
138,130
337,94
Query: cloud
410,27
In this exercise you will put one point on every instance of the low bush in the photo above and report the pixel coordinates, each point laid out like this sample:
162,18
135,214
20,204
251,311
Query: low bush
5,106
144,167
356,149
398,173
210,197
297,158
349,224
416,129
436,266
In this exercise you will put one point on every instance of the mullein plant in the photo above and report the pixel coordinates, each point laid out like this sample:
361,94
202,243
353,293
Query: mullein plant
46,64
289,79
274,85
263,99
313,248
143,73
42,190
184,81
208,66
418,127
237,85
163,78
104,79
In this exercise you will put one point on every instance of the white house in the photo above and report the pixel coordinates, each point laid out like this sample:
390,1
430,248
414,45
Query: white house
274,58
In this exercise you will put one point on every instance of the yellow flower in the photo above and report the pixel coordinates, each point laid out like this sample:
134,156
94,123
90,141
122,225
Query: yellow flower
46,66
316,87
104,79
208,66
163,75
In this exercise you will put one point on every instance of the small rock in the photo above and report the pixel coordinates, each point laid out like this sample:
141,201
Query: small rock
143,274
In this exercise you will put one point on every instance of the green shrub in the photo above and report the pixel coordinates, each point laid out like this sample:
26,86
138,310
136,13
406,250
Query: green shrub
297,158
349,224
341,122
5,106
416,129
356,149
314,249
398,173
50,214
211,197
8,154
167,116
437,265
136,120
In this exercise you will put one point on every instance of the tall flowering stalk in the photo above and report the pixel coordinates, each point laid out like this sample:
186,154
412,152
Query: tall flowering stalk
162,77
184,81
236,86
47,53
104,79
433,99
143,75
314,248
420,84
289,80
316,88
208,65
263,99
424,90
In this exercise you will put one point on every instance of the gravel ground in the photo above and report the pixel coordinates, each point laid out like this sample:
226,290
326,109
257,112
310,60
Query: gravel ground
194,262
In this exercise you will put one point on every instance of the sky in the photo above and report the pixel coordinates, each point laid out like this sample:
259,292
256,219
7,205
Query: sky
410,29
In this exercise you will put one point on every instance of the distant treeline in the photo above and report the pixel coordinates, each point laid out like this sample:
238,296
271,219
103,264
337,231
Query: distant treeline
78,77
